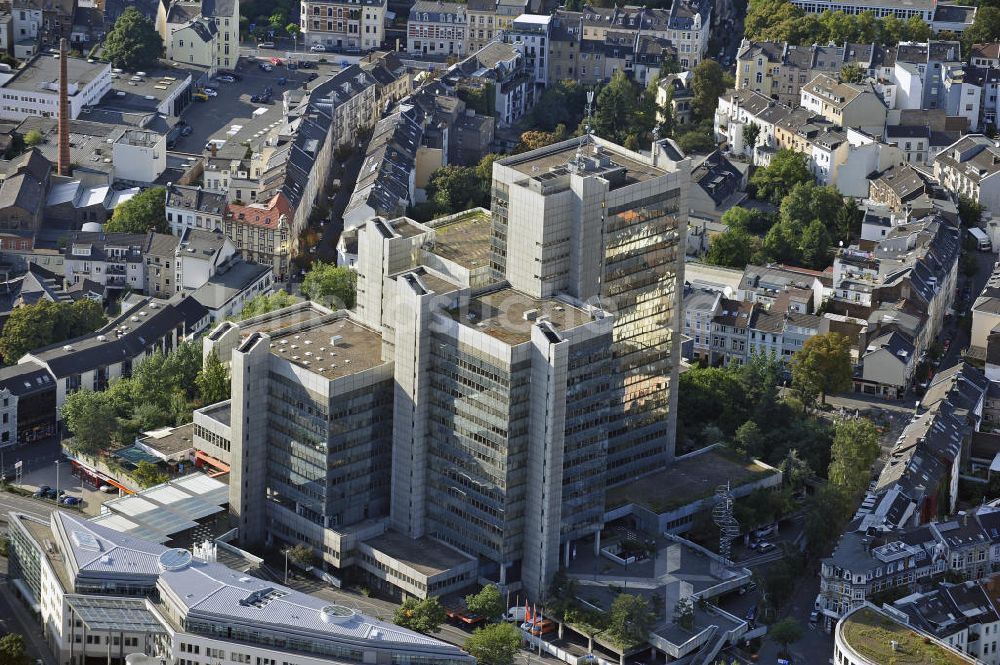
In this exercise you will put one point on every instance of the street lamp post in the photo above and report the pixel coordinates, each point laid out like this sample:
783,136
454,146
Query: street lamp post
286,565
57,481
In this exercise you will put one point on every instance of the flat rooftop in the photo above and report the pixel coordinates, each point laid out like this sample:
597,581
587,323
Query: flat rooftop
333,349
41,74
500,314
170,441
538,163
144,92
465,240
425,555
42,533
686,481
871,634
221,412
275,321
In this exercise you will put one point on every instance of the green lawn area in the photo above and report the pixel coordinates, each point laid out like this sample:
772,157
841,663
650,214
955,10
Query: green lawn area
870,634
687,481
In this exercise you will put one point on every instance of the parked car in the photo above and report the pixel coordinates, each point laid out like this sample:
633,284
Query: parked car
229,72
276,61
813,617
199,97
211,92
265,67
765,547
766,531
307,64
70,501
41,491
225,78
108,489
265,45
317,48
186,131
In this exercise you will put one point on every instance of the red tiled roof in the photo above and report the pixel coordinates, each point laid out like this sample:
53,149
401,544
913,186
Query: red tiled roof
262,215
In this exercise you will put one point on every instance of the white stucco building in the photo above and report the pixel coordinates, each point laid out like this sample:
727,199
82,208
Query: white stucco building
34,89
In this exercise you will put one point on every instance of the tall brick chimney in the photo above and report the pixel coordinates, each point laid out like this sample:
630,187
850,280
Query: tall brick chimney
64,156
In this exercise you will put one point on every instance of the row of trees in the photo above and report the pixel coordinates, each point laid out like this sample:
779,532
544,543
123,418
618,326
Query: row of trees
46,322
780,20
163,391
810,218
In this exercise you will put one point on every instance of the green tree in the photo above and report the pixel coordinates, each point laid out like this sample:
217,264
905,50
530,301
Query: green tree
616,105
814,247
213,380
852,72
970,211
488,603
917,30
787,169
538,139
46,322
13,650
265,303
855,448
629,621
785,632
330,284
33,138
148,474
822,366
733,248
91,417
293,29
985,27
495,644
707,85
424,616
684,613
750,220
749,439
890,30
146,211
826,513
696,141
589,622
562,103
795,472
133,42
454,188
278,20
301,555
781,244
751,132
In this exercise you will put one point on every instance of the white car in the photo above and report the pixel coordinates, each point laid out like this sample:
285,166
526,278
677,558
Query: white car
317,48
108,489
211,92
227,79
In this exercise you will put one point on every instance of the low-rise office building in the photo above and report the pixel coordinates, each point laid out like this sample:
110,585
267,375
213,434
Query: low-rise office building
34,88
97,591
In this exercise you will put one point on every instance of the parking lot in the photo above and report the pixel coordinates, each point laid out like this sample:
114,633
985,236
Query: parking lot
214,119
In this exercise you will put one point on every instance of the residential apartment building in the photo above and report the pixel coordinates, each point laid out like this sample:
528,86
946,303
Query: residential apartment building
700,307
689,25
92,361
482,16
974,629
343,24
201,32
779,70
190,207
530,35
437,28
969,167
181,606
262,232
845,104
113,260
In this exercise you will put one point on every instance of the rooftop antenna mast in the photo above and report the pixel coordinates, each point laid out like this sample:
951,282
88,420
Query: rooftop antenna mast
588,128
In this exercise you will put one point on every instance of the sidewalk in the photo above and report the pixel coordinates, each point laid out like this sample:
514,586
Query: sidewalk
30,629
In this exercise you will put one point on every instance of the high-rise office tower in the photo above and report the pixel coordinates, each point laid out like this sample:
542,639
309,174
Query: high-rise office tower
606,225
465,421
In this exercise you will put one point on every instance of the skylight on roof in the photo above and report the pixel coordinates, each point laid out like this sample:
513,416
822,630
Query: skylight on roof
86,541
